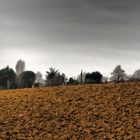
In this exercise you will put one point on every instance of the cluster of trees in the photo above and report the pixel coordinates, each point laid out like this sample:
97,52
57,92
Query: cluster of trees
9,79
118,75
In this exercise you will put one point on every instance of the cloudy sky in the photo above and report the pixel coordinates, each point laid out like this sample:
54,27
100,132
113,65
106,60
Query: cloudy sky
70,35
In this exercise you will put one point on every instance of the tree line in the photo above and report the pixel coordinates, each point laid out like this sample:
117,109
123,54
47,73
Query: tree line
10,79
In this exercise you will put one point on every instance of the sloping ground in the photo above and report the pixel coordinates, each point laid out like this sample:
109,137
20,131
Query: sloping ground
86,112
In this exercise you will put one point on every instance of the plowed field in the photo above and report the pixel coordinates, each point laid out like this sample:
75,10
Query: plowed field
85,112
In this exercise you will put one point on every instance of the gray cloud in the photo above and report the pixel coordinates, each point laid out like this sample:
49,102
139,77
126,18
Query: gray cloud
72,33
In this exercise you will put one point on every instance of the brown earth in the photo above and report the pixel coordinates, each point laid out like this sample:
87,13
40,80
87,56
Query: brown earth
85,112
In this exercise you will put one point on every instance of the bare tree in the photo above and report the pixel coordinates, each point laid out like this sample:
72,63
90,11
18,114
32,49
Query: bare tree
20,67
38,78
118,74
104,80
136,76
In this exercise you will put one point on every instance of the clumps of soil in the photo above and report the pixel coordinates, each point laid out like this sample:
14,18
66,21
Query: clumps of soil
83,112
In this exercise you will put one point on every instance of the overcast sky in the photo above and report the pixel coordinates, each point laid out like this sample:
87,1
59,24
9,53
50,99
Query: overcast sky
70,35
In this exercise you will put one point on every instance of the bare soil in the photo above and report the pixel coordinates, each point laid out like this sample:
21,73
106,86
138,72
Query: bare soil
83,112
